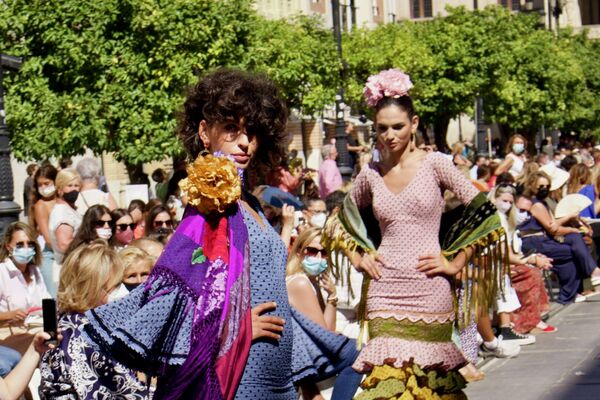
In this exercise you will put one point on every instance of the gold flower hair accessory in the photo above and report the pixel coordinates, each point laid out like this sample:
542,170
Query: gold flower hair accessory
213,183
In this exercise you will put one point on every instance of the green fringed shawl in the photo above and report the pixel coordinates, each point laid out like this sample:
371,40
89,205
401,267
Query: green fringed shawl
478,230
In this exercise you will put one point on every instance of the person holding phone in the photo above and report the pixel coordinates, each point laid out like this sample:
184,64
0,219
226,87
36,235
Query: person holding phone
15,383
75,368
22,286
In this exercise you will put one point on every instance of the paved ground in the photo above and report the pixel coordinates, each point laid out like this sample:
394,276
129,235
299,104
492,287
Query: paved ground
561,366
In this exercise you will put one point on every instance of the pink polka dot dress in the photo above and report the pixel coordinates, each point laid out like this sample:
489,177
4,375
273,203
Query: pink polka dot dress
410,223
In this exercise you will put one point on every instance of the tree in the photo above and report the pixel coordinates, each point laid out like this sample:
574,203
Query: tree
110,75
301,56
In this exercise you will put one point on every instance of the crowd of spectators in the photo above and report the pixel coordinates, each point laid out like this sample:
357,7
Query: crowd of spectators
80,248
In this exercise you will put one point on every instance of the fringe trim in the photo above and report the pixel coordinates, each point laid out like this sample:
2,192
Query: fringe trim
484,268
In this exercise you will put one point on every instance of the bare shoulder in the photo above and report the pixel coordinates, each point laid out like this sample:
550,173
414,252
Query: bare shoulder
299,284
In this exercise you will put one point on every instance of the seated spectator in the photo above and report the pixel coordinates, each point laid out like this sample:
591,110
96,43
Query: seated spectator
580,176
554,238
96,224
124,228
22,287
137,265
90,195
306,276
15,383
159,224
136,210
153,247
526,280
75,369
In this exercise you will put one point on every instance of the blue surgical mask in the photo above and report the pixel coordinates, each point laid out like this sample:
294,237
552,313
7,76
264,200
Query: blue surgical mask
23,255
314,266
518,148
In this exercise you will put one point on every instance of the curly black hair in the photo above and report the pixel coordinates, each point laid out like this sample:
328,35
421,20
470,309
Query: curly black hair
226,94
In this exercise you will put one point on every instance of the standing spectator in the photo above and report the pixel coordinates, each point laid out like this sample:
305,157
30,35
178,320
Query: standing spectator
330,178
459,155
28,187
136,210
124,228
354,148
158,224
547,147
96,224
43,200
515,156
479,161
162,187
89,170
64,219
22,287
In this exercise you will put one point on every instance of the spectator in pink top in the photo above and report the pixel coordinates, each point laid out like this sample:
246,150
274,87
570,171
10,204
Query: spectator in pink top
330,178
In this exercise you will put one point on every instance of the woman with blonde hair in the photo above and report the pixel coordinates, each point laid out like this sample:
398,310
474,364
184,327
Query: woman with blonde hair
64,220
306,275
75,368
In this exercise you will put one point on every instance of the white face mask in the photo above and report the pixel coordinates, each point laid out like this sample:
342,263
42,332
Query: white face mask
503,206
104,233
522,216
47,191
318,220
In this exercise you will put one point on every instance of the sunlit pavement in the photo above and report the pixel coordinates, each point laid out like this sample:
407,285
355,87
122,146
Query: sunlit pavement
564,365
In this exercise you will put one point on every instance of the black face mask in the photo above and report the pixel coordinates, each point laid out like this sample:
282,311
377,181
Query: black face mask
542,193
71,197
131,286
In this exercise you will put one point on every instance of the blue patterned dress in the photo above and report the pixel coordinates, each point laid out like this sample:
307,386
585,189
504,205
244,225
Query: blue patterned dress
77,370
268,373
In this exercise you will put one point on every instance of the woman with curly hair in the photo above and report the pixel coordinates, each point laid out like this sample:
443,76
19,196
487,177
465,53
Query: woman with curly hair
408,298
213,318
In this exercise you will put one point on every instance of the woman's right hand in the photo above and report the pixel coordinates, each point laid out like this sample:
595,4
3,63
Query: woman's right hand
370,264
17,315
287,216
266,326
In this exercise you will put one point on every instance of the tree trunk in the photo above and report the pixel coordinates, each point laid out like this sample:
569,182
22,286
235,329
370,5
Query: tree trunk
440,128
136,173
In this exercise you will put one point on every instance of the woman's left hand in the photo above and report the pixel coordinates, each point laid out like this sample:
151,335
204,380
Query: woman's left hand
434,264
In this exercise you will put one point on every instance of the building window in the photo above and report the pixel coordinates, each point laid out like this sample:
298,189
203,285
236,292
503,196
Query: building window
421,9
514,5
590,12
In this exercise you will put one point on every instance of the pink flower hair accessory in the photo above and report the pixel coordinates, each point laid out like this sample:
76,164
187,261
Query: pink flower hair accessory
389,83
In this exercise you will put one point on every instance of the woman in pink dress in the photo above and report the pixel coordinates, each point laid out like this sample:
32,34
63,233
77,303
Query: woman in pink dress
410,302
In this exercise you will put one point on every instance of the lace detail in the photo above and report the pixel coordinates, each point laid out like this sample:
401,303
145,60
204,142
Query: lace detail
400,315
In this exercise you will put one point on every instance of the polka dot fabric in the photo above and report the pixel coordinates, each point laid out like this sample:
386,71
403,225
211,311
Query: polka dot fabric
268,373
410,223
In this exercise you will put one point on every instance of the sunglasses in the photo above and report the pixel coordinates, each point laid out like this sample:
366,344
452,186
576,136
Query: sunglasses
543,187
20,245
313,251
123,227
168,223
101,224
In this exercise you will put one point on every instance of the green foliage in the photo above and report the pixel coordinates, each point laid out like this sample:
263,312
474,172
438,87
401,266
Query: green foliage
526,76
301,56
110,75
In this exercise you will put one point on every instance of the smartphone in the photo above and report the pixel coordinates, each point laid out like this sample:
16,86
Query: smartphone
50,323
